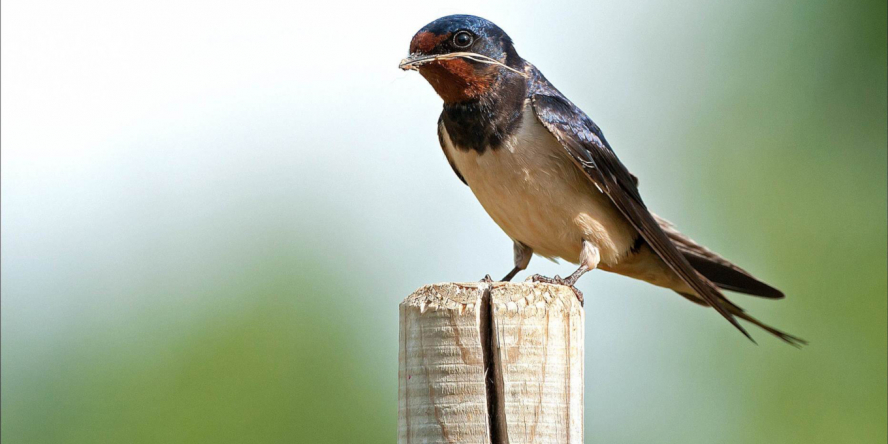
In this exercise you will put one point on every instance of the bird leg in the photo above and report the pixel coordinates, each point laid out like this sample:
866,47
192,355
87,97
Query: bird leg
589,258
522,254
508,277
570,281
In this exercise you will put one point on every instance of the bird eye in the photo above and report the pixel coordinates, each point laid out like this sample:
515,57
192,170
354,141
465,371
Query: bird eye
463,39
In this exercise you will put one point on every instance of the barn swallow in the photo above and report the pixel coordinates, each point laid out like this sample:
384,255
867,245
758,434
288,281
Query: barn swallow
546,175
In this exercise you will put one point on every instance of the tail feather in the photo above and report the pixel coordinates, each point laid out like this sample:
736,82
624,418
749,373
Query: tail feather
717,269
792,340
731,277
723,274
735,310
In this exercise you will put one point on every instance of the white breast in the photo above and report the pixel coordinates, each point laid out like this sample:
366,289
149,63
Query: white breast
538,196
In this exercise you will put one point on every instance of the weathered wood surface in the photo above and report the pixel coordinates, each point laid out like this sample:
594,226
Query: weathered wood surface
491,363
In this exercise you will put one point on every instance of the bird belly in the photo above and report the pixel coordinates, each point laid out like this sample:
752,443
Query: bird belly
532,189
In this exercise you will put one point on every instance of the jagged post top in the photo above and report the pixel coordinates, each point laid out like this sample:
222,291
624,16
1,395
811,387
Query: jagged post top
491,362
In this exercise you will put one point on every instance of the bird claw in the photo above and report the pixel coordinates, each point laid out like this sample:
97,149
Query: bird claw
487,279
558,280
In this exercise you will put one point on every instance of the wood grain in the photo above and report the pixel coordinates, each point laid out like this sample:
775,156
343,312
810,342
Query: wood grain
491,363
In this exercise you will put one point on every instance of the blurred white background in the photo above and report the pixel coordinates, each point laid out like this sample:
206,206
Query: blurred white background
164,163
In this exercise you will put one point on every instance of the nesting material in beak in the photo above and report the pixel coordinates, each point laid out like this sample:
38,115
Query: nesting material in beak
415,61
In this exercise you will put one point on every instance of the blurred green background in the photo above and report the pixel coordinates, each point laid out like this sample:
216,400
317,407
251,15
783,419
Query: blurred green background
211,210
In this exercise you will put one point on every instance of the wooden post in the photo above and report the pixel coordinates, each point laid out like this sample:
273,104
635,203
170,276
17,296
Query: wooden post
491,363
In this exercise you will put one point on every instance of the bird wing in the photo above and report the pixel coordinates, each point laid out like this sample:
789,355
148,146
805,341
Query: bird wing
585,143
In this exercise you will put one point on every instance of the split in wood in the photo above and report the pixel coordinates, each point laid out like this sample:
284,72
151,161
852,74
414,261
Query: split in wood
491,363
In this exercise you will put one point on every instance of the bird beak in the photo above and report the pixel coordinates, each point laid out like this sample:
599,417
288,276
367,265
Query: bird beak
415,60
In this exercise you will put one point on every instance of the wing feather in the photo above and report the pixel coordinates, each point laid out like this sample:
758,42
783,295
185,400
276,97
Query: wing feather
586,145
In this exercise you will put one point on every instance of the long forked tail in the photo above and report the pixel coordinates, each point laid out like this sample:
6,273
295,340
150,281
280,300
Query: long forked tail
794,341
717,269
726,276
735,310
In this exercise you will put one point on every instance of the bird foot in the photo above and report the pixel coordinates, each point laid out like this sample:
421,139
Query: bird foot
558,280
487,279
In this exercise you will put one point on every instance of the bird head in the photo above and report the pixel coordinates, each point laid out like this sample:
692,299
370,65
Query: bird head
463,57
